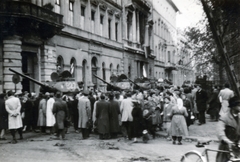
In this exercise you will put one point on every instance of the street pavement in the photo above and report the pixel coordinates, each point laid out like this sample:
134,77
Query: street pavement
43,148
204,132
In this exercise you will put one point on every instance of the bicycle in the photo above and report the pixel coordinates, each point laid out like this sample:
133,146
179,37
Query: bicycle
196,156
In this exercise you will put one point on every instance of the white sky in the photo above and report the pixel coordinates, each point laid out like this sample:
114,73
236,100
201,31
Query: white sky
190,13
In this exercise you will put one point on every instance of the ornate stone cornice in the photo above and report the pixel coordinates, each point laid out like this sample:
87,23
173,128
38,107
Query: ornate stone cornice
94,2
110,11
103,6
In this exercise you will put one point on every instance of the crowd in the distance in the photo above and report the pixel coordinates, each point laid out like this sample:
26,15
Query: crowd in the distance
130,114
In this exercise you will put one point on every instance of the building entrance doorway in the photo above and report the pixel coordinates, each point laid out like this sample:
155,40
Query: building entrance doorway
29,62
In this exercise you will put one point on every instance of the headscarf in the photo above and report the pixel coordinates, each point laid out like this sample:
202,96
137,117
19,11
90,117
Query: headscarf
179,103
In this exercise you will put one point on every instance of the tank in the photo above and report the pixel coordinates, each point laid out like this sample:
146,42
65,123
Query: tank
62,82
118,83
143,83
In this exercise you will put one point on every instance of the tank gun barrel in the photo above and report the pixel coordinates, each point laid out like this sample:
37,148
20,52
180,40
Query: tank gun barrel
134,83
25,76
109,84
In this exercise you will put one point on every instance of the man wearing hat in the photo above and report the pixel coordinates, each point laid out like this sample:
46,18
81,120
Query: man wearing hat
84,110
60,110
229,130
13,107
201,101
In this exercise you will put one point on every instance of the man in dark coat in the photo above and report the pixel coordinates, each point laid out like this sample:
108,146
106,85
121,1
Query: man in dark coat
214,104
114,113
75,115
102,117
60,110
92,101
229,131
201,101
3,117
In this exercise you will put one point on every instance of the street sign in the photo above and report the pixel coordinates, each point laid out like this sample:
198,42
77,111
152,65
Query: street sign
15,79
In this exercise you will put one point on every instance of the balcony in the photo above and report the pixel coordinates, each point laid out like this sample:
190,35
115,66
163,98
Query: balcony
170,66
22,18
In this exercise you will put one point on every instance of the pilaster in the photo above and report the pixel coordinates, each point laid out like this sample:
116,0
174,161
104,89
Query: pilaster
134,27
11,59
48,62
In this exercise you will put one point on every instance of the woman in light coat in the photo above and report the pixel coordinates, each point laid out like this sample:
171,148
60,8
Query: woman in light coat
13,107
42,114
178,124
49,113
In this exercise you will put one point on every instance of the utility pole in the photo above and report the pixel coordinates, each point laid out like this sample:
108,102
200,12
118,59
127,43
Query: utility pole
222,50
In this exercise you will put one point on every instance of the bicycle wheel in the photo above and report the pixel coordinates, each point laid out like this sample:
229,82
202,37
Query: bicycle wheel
192,156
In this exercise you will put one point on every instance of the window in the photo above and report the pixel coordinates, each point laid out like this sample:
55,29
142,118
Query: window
70,20
129,26
82,11
93,15
101,24
101,19
111,69
103,71
60,64
109,28
169,56
70,6
117,69
57,2
129,71
92,21
57,6
116,31
82,17
72,67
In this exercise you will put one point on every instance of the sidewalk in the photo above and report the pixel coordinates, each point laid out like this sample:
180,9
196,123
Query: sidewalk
197,132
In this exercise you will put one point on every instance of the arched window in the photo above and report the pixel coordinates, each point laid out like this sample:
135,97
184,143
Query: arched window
60,64
117,69
84,71
129,71
103,71
94,70
73,67
111,69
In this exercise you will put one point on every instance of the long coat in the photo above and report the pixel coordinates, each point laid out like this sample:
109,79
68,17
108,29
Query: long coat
137,120
214,103
42,113
178,124
27,108
114,114
49,113
102,116
126,109
13,107
60,110
3,115
84,110
201,100
228,129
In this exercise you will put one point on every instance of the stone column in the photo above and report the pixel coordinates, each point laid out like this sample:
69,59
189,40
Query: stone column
134,27
146,41
48,62
11,59
138,27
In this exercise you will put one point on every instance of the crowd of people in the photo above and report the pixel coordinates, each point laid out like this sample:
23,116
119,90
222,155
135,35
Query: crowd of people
112,114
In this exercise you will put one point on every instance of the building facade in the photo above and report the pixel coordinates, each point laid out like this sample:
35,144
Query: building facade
165,42
101,37
185,63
